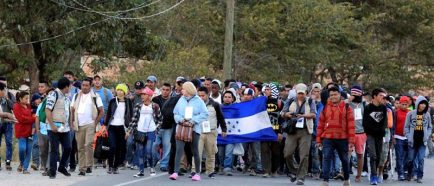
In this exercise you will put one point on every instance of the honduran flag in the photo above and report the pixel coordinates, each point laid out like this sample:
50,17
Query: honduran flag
247,122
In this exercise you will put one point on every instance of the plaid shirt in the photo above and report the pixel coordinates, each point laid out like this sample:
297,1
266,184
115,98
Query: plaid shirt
158,118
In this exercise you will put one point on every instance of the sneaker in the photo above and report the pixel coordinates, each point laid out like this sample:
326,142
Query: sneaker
292,177
274,175
373,180
300,182
364,174
379,179
34,167
196,177
110,170
385,176
45,173
174,176
266,175
89,171
340,176
52,177
252,173
182,170
227,171
419,180
212,175
135,167
192,174
71,169
82,173
139,174
315,176
8,165
115,171
26,172
347,183
64,172
401,178
20,168
324,183
152,172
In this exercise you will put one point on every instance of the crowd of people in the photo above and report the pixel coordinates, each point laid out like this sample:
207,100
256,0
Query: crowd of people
322,132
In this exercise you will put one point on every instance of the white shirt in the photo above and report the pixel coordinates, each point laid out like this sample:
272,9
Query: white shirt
118,117
85,106
218,99
146,121
157,92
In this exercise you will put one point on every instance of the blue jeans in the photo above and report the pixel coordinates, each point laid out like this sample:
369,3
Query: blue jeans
401,152
329,147
35,150
163,137
130,156
256,153
72,160
416,157
25,151
225,155
314,156
145,151
7,129
55,140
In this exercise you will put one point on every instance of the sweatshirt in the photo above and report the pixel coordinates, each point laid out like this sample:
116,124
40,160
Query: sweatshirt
336,122
375,120
23,128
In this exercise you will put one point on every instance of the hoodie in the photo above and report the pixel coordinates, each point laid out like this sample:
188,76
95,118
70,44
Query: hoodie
411,122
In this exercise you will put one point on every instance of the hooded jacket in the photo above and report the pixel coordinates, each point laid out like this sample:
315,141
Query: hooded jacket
410,122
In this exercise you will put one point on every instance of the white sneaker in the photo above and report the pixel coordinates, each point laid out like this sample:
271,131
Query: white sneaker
152,172
364,174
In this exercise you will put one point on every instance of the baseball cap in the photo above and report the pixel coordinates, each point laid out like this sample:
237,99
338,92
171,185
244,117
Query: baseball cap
301,88
152,78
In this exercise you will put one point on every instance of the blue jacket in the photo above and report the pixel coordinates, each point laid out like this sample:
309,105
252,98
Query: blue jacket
410,123
200,112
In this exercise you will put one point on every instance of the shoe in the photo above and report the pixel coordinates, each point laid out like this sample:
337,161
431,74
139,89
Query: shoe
20,168
26,172
115,171
64,172
82,173
182,170
45,173
347,183
71,169
34,167
292,177
373,180
358,179
408,178
52,176
419,180
385,176
324,183
315,176
300,182
379,179
152,172
227,171
139,174
164,169
89,171
252,173
401,178
274,175
364,174
266,175
8,165
192,174
339,177
212,175
110,170
196,177
174,176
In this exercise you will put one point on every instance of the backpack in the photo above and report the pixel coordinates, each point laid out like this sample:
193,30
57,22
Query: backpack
41,114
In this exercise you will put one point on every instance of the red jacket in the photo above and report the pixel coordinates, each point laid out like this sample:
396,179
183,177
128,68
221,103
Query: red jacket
400,121
23,128
334,123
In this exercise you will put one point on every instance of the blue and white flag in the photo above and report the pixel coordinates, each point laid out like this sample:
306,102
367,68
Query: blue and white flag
247,122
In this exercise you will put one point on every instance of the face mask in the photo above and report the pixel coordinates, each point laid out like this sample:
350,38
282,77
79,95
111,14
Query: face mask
357,99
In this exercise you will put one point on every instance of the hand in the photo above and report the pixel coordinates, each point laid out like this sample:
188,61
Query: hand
10,116
127,134
224,134
279,137
54,129
318,145
351,147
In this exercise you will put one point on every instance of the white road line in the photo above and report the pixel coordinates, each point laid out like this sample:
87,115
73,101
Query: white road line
139,180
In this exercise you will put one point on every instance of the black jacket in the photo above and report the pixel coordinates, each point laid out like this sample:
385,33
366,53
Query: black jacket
167,112
112,109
